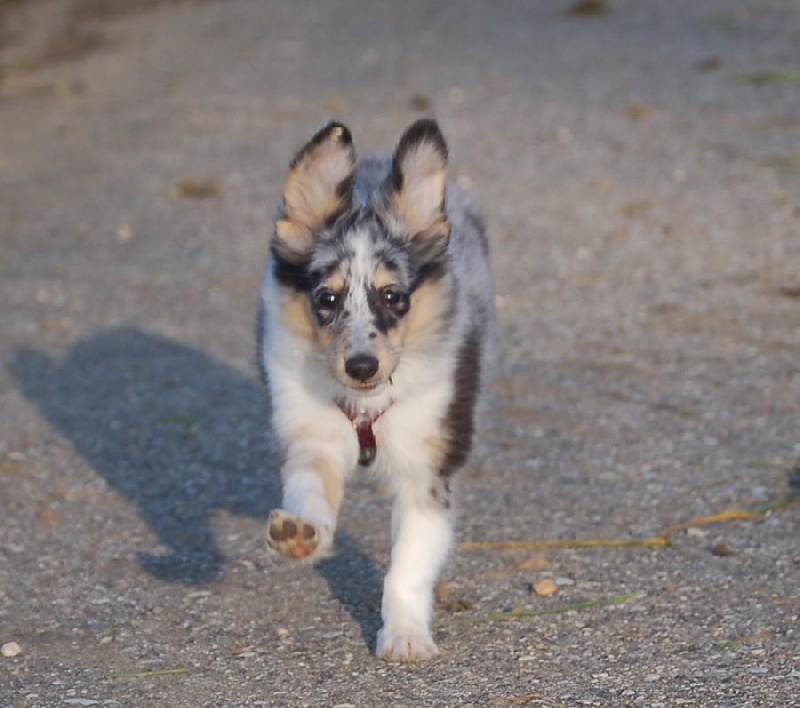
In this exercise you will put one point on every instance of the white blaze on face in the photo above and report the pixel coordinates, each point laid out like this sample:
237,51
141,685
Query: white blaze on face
361,270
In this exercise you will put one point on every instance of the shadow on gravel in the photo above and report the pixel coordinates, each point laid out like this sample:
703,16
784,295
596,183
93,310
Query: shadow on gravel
178,435
356,582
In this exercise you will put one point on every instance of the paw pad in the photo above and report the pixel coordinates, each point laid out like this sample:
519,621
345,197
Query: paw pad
291,536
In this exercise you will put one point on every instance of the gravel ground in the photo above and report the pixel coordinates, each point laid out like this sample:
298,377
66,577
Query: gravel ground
640,171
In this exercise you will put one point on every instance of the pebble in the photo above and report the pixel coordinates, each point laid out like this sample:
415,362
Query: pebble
10,649
125,233
544,587
721,549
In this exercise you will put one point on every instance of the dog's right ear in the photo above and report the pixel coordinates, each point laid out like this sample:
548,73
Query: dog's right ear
317,189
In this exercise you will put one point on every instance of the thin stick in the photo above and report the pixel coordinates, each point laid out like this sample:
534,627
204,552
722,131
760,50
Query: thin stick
517,614
779,503
147,674
654,542
731,514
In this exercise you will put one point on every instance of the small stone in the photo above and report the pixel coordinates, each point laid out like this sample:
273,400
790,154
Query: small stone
194,188
639,111
564,582
588,8
10,649
693,532
335,106
282,632
125,233
721,549
420,102
544,587
447,600
709,64
49,516
442,591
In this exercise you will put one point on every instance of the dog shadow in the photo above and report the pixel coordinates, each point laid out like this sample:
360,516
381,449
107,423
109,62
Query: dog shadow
178,435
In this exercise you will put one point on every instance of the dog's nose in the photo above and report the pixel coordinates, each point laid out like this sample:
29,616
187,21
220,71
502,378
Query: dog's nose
361,367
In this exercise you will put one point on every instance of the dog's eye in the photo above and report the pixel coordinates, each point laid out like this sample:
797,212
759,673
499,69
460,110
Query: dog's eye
325,299
394,297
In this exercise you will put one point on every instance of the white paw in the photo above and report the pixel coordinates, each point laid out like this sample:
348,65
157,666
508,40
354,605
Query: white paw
296,538
405,646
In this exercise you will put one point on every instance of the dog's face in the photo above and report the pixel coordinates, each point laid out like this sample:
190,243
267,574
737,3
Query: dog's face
361,275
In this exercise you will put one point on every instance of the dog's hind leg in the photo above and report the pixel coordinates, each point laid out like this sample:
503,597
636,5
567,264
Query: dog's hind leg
421,539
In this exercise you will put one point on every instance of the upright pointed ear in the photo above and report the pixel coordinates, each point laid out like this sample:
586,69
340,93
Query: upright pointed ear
417,182
318,187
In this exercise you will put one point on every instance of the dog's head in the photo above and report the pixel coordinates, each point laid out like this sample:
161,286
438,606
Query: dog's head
361,265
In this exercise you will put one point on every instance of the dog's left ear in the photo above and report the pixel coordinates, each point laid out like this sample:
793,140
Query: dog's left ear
417,184
317,189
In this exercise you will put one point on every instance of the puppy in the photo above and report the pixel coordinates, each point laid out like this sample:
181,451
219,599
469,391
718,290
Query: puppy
377,313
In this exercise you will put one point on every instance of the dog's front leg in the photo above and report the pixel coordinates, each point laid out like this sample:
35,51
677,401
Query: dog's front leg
421,539
313,486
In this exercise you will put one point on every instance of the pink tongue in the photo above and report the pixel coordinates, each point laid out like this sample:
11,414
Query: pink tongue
366,441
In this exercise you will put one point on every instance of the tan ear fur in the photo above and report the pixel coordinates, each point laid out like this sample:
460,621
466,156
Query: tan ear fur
316,188
419,176
293,237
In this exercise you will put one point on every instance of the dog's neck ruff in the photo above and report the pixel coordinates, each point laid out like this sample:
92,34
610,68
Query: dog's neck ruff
362,424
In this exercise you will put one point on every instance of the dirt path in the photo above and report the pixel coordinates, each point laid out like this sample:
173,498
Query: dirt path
640,171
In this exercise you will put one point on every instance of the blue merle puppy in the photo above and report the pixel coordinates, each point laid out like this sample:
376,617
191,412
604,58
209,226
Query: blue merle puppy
377,307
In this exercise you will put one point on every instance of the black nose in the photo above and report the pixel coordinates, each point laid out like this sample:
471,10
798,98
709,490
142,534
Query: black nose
361,367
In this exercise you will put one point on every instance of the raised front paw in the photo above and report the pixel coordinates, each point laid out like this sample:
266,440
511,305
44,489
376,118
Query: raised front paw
405,646
292,536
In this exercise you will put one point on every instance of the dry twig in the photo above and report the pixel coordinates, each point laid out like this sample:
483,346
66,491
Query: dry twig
148,674
559,609
724,515
654,542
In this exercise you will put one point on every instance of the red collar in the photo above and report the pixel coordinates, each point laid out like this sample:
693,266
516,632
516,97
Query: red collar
362,424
